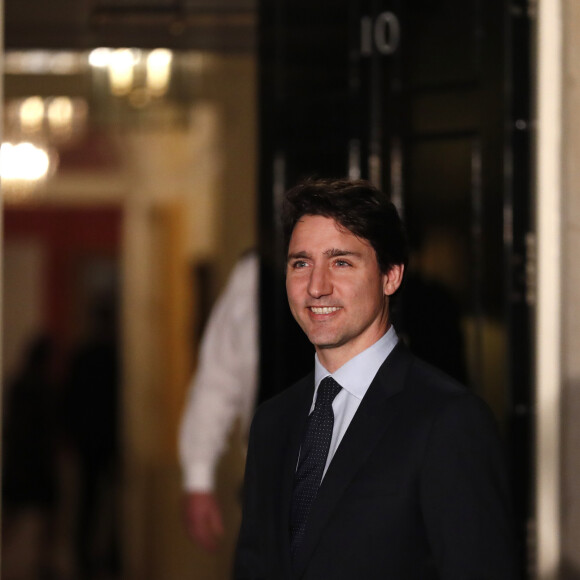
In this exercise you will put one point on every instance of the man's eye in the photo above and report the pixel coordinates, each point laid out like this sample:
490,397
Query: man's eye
342,263
299,264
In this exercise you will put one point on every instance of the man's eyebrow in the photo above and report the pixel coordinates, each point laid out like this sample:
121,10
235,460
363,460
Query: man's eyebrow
297,255
337,252
332,253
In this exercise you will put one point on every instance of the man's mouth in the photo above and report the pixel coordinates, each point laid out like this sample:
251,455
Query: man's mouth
324,309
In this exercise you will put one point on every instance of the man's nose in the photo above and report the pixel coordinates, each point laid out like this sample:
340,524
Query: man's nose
320,283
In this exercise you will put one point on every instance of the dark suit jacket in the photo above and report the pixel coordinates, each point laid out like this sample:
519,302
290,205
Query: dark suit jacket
416,490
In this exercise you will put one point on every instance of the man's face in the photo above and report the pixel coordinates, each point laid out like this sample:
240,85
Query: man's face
336,291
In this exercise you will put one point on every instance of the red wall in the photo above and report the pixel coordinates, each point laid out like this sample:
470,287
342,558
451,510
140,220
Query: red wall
68,234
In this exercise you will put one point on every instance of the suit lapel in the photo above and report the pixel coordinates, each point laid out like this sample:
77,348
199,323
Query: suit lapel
300,414
368,425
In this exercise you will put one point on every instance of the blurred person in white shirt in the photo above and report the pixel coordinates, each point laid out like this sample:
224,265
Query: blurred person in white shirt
223,388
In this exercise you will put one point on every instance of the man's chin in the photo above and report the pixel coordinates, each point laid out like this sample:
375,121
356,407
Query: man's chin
323,338
325,343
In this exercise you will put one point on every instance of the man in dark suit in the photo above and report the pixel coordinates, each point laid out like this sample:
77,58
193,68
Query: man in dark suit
376,465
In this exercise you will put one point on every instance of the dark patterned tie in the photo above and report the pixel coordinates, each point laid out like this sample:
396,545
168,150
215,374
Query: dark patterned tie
313,454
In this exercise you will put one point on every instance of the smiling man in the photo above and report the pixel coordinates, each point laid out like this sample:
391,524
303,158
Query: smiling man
375,465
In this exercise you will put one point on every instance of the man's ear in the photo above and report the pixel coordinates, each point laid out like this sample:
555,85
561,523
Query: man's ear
392,279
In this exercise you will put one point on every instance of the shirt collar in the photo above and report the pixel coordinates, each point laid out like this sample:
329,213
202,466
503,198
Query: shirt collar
357,374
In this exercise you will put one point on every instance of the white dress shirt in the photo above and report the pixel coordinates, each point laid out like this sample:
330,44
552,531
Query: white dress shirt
225,384
354,377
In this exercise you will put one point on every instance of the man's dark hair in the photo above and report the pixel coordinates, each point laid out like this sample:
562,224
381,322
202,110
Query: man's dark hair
357,206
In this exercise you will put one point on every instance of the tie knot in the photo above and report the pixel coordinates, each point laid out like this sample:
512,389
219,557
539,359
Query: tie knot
327,390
